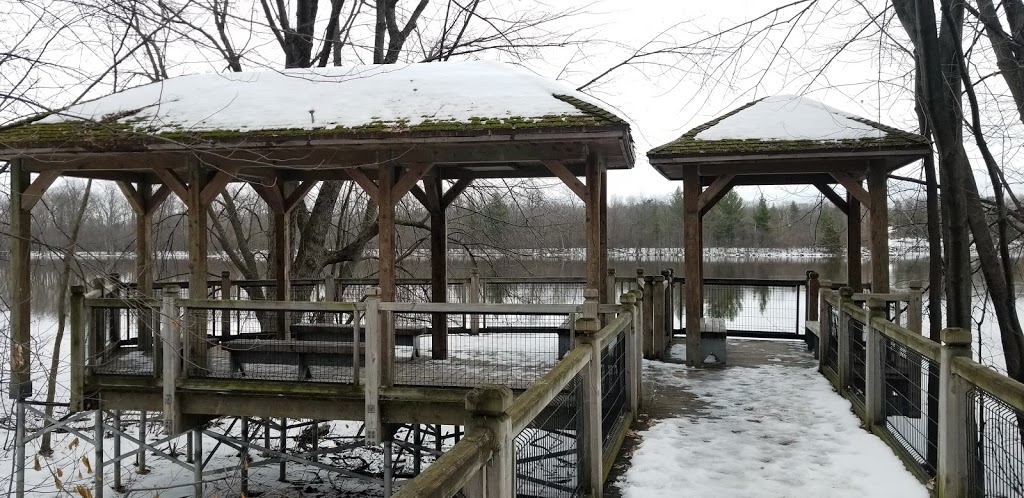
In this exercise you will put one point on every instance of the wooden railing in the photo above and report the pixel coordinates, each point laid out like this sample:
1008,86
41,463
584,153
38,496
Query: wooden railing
949,418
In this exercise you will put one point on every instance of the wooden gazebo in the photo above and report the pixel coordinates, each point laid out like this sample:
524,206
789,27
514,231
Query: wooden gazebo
387,128
786,140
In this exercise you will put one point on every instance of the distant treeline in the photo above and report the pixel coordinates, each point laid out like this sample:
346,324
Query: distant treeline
524,215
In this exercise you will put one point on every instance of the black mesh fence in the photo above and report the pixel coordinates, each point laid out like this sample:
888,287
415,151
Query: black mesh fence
749,308
831,359
512,350
613,388
540,292
548,456
855,381
305,346
911,394
997,452
120,336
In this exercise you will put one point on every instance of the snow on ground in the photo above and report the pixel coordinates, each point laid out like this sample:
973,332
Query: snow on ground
772,431
790,117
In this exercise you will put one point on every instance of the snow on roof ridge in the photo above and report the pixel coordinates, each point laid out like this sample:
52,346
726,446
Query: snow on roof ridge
338,96
790,117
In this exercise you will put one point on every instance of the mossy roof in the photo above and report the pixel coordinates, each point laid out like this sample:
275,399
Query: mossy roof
787,125
371,102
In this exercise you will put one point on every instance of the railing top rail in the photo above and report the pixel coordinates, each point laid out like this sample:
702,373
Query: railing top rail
483,309
534,280
220,304
121,302
887,297
999,385
450,473
614,327
926,347
755,282
534,400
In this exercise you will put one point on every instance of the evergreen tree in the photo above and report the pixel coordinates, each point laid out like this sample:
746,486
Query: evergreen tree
762,221
729,219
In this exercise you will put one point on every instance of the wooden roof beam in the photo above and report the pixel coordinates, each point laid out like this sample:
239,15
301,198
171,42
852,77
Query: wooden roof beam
37,188
714,193
570,180
836,199
853,187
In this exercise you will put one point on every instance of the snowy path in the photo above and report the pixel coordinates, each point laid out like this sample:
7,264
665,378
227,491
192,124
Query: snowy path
768,431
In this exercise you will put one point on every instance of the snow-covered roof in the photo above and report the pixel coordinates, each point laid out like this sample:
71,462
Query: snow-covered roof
787,124
451,97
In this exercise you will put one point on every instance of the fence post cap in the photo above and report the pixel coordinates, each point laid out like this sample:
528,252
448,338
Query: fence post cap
826,283
915,284
638,293
225,274
648,278
489,400
474,271
659,278
812,275
611,272
846,292
667,272
955,337
172,289
627,297
78,289
373,292
639,272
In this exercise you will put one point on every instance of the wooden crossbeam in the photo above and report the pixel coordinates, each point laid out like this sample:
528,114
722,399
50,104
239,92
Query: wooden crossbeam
854,188
570,180
36,189
157,198
409,179
454,191
216,185
298,194
836,199
272,195
135,199
173,182
420,195
714,193
368,185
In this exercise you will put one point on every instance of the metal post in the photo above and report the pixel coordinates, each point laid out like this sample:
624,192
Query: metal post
474,298
954,443
140,457
97,434
417,441
244,457
117,450
197,461
225,294
19,448
388,474
283,437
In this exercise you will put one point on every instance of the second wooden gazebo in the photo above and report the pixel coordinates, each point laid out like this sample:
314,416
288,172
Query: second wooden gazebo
786,140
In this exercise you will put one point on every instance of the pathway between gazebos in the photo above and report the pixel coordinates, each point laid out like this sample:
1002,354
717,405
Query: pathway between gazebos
767,426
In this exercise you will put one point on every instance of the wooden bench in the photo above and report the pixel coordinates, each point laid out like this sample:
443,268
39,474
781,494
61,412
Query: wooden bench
331,332
289,352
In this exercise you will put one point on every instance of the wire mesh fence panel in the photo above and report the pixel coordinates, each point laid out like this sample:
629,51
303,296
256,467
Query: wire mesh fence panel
512,350
541,292
548,456
759,308
305,346
115,331
911,402
613,388
831,359
855,381
997,452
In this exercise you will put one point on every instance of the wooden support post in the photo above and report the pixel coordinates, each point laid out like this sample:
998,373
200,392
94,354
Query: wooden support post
198,239
813,288
693,253
658,317
877,178
593,223
20,276
386,266
874,369
854,254
667,312
955,435
607,294
117,451
590,439
638,339
376,352
648,320
629,305
78,357
843,362
438,265
488,406
197,461
243,458
97,435
140,457
474,298
824,324
170,337
915,307
225,294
